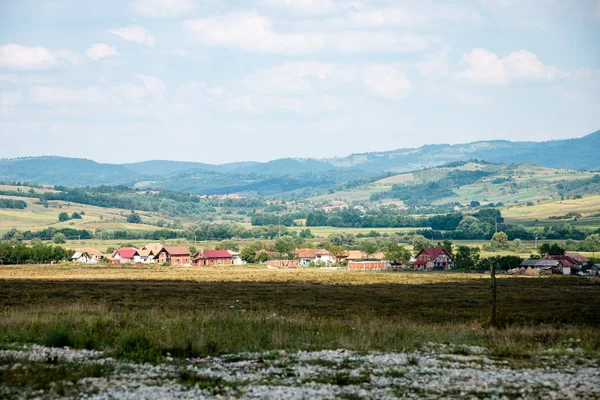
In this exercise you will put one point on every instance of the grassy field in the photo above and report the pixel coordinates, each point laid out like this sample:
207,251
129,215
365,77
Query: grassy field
37,217
586,206
325,231
145,312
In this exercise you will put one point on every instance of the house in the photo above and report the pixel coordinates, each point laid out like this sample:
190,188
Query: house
572,263
213,257
357,256
146,256
87,255
158,252
177,255
314,256
595,270
126,255
433,258
236,259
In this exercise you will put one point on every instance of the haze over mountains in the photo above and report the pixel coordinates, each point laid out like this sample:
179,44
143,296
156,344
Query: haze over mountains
300,176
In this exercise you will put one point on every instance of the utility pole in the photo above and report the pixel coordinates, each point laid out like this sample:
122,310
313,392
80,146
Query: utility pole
493,275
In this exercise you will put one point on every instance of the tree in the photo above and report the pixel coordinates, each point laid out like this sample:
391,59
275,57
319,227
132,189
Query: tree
447,245
306,234
368,247
285,245
134,218
554,249
396,253
248,254
228,245
75,215
466,257
591,243
59,238
474,203
63,216
499,240
263,256
338,252
419,242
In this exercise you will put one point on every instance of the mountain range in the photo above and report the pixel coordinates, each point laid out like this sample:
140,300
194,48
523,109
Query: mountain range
289,176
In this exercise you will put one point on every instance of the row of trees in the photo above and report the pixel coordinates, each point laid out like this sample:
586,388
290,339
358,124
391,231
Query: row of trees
37,254
17,204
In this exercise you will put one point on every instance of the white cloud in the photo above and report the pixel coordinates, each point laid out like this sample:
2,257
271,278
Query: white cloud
69,56
64,95
467,99
134,33
252,32
299,77
387,80
485,67
150,87
9,99
249,32
303,7
14,56
101,50
416,14
163,8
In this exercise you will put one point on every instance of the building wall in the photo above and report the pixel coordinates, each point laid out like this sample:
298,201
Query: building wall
214,261
283,263
368,265
180,260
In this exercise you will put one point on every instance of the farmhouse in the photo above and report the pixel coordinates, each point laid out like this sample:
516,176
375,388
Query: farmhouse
235,257
315,256
146,256
159,255
213,257
126,255
178,255
433,258
87,255
572,263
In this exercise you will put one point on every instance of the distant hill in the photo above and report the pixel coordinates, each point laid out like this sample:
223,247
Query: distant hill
301,177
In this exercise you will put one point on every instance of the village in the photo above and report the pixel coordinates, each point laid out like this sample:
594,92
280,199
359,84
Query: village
428,259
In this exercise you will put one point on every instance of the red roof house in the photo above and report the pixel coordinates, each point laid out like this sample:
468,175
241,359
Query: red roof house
213,257
125,255
177,255
433,258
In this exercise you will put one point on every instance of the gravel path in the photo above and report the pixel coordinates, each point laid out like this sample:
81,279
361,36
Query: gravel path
316,375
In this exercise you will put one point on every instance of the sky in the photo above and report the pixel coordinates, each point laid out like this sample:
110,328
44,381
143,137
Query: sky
218,81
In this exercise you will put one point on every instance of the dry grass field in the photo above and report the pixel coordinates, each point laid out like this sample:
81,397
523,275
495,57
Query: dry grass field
203,311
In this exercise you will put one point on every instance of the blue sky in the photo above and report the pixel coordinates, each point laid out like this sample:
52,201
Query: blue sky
218,81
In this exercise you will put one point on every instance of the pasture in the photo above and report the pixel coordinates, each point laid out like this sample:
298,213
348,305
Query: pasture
204,311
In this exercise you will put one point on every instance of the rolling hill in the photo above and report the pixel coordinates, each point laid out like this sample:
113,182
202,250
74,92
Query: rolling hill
296,177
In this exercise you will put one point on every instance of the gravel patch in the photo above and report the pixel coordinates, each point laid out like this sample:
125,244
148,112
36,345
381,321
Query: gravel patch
324,374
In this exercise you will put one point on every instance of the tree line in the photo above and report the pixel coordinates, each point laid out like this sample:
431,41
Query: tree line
37,254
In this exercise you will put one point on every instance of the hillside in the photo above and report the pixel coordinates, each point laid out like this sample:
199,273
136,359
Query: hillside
463,182
296,177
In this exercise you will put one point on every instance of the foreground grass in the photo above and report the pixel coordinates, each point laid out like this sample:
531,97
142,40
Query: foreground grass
146,313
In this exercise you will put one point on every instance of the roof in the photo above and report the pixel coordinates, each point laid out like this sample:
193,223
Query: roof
145,252
569,259
127,252
215,254
91,251
311,253
177,250
77,254
359,255
541,263
433,252
155,248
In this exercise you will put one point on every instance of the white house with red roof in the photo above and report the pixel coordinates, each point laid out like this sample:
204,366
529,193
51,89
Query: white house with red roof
126,255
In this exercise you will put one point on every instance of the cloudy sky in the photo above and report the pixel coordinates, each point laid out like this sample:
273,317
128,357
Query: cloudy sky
228,80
